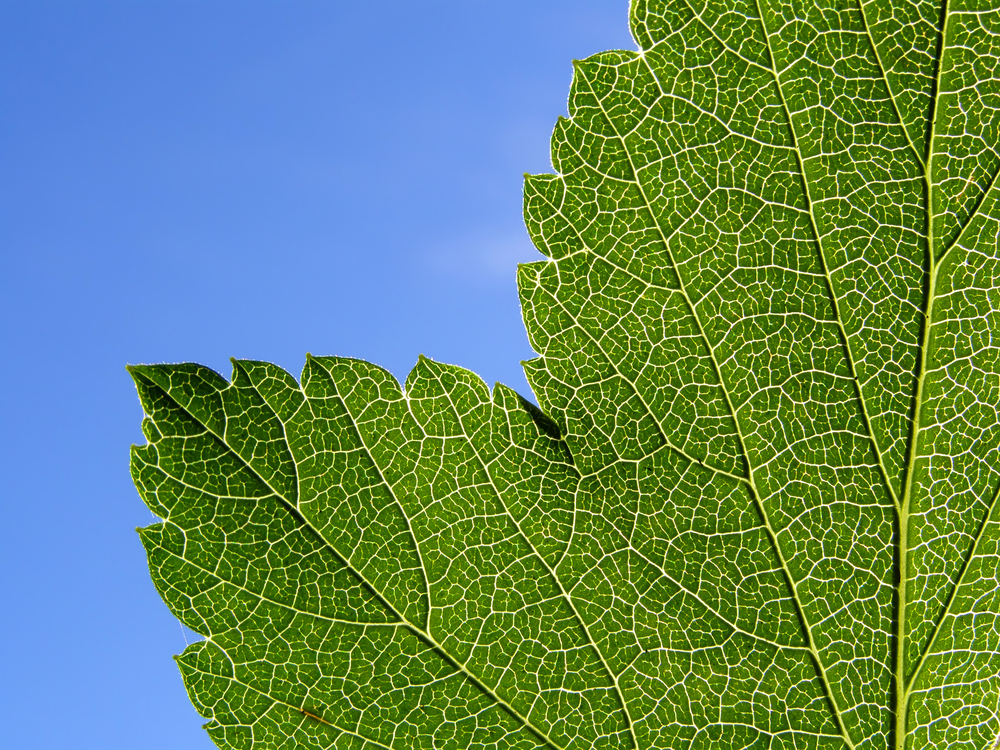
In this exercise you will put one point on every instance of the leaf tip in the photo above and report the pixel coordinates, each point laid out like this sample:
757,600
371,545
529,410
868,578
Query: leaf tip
136,372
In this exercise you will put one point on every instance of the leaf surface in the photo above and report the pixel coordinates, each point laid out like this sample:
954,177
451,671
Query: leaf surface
758,506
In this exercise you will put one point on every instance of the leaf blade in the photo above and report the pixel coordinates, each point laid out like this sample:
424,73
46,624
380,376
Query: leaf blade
758,505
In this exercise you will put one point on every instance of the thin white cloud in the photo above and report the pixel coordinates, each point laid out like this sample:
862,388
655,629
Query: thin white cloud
483,256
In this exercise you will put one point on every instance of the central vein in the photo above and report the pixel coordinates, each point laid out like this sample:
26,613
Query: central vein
902,693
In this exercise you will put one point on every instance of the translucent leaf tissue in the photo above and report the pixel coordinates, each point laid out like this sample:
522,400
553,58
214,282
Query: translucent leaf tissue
757,503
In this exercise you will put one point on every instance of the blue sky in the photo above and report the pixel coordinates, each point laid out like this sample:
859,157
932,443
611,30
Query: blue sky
198,180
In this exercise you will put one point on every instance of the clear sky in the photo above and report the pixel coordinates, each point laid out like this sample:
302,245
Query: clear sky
199,180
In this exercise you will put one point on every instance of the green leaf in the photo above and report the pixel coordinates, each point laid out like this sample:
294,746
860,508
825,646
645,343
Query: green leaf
758,505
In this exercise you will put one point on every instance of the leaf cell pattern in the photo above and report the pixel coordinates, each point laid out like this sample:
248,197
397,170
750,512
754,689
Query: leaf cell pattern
757,506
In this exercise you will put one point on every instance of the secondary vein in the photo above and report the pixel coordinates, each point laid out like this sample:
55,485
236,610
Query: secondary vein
551,571
758,500
418,631
959,582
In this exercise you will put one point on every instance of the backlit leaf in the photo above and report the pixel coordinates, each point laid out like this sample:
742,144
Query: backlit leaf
757,506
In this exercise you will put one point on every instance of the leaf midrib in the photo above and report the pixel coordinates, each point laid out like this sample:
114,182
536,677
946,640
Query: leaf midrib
842,333
902,693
